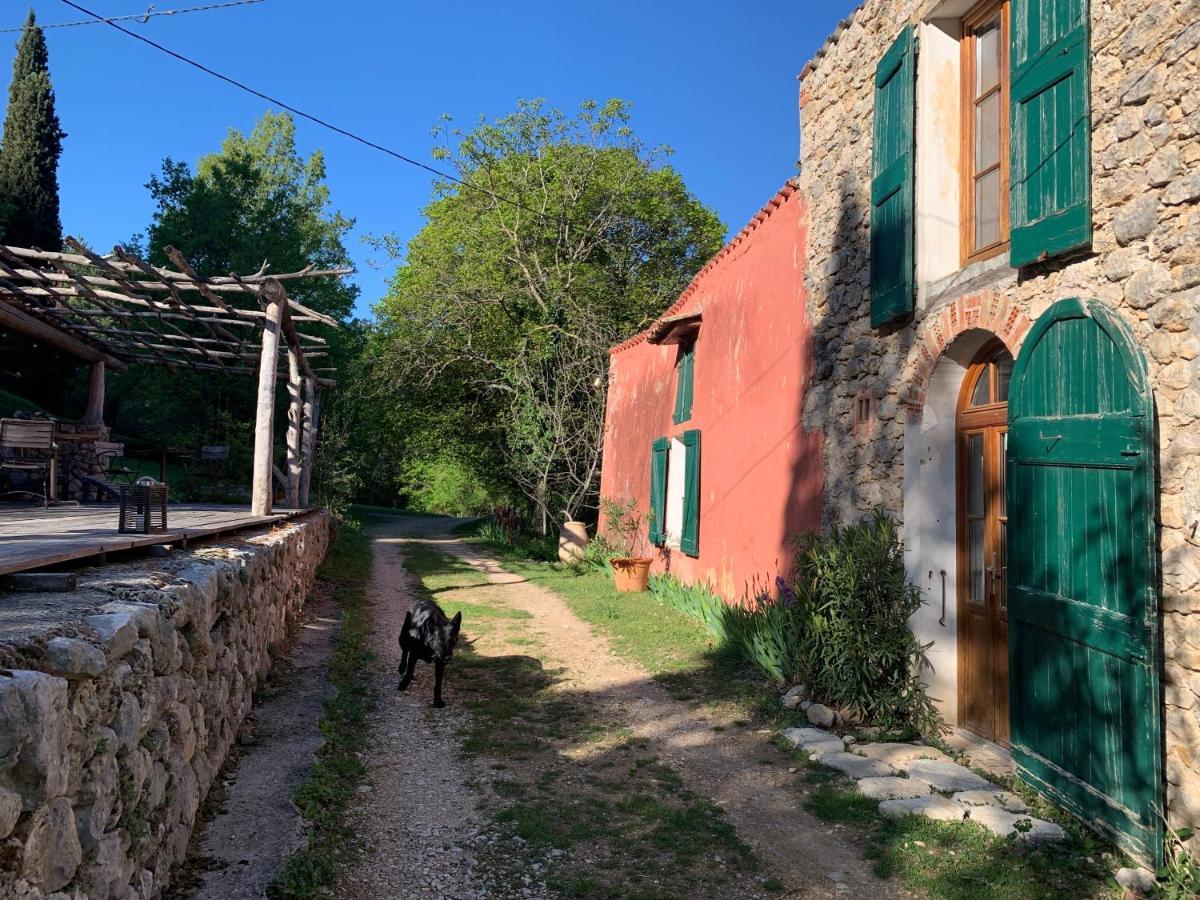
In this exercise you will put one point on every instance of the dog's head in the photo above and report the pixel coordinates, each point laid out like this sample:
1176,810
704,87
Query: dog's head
443,639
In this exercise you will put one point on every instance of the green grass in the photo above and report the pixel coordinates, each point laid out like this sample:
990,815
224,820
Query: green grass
325,795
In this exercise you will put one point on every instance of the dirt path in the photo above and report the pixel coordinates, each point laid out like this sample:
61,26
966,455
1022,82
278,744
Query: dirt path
723,760
416,819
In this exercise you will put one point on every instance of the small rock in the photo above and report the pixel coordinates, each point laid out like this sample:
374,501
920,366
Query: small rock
820,715
931,806
855,766
791,702
796,690
1002,823
890,787
1182,190
1140,880
116,630
946,777
1137,219
10,811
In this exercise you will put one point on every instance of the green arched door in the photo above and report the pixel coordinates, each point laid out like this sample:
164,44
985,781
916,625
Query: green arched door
1082,574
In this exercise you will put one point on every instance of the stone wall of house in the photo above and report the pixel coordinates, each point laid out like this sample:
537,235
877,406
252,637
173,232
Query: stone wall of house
114,725
1144,262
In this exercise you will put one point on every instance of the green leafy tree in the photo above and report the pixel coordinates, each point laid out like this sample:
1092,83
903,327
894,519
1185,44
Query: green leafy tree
256,200
563,235
31,146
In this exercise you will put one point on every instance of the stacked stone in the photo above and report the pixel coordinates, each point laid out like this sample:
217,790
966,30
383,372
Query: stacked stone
112,731
1144,262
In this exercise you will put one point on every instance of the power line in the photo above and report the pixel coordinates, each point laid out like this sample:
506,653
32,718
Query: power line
142,17
302,114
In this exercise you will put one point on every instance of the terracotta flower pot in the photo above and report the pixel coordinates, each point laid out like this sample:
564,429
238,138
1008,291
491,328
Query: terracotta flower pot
630,575
572,542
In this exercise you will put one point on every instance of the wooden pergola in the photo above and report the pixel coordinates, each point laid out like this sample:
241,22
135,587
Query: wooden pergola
117,309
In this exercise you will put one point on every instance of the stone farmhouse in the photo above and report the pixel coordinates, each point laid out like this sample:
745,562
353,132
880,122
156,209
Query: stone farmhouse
976,307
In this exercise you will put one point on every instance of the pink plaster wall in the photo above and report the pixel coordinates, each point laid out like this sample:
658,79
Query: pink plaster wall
760,473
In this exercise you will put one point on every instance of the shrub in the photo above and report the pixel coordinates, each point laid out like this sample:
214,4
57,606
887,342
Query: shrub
852,610
842,629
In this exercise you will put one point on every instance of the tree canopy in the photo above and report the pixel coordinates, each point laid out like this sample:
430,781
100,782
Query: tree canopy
30,148
561,236
257,199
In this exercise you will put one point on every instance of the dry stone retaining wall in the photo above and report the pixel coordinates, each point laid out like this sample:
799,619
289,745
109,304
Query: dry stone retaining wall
113,727
1144,263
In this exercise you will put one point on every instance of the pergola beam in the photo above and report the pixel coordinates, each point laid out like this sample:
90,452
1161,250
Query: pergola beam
20,321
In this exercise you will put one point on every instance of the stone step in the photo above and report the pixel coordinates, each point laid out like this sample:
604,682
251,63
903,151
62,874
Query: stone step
947,777
855,766
890,787
900,755
995,797
813,741
931,806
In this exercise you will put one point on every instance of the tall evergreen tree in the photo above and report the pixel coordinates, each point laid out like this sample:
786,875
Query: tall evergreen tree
31,145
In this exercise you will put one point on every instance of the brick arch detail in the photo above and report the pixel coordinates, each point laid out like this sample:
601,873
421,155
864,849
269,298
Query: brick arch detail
986,310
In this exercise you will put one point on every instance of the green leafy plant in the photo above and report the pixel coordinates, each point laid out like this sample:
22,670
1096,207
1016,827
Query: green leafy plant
625,527
853,603
1179,877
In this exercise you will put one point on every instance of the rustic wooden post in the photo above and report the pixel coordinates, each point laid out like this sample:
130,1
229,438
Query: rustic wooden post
94,417
264,425
295,421
312,412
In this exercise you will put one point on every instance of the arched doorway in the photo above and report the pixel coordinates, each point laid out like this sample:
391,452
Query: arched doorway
981,439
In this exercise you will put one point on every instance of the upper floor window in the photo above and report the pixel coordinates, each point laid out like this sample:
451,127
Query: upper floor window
985,94
685,371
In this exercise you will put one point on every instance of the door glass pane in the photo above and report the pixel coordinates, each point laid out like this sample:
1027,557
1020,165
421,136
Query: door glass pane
987,133
975,475
1003,553
987,56
987,209
975,560
1004,367
981,394
1004,473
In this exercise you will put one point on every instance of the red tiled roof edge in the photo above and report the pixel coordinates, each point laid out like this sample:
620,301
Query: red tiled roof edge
763,214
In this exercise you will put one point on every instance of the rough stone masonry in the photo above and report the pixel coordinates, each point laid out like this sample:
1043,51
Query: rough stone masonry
113,725
1144,263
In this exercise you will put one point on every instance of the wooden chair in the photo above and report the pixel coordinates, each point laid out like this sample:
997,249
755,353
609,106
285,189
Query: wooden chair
27,447
107,484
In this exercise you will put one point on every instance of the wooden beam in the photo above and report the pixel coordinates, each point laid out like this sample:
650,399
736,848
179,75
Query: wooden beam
312,413
264,426
16,319
95,406
294,430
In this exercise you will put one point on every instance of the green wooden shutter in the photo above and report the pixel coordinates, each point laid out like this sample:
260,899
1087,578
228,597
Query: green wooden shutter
686,372
892,195
658,488
1050,197
689,538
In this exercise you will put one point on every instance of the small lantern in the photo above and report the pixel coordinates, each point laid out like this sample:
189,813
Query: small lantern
143,507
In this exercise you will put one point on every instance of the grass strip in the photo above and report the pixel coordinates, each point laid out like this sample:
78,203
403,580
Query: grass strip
324,796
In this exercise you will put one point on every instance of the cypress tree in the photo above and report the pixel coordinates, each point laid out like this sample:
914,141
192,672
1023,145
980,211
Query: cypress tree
31,145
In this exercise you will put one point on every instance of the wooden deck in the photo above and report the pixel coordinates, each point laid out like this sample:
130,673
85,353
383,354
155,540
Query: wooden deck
33,537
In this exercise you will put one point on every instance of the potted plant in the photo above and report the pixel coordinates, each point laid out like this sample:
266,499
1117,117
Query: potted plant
625,527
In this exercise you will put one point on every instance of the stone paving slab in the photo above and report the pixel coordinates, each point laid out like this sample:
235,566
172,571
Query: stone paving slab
1002,823
1002,799
931,806
889,787
814,740
855,766
899,755
947,777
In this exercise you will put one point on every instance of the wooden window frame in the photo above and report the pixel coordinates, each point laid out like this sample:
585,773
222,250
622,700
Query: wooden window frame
971,22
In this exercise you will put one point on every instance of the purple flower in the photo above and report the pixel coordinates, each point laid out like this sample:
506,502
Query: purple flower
786,595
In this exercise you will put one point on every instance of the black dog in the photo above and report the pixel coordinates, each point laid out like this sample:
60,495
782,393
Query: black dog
427,635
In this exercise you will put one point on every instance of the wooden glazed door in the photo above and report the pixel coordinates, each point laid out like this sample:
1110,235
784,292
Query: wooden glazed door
982,524
1083,604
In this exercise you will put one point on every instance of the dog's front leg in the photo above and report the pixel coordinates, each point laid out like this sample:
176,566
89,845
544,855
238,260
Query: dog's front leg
408,665
439,670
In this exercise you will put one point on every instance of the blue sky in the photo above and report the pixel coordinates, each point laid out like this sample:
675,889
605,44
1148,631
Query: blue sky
714,80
